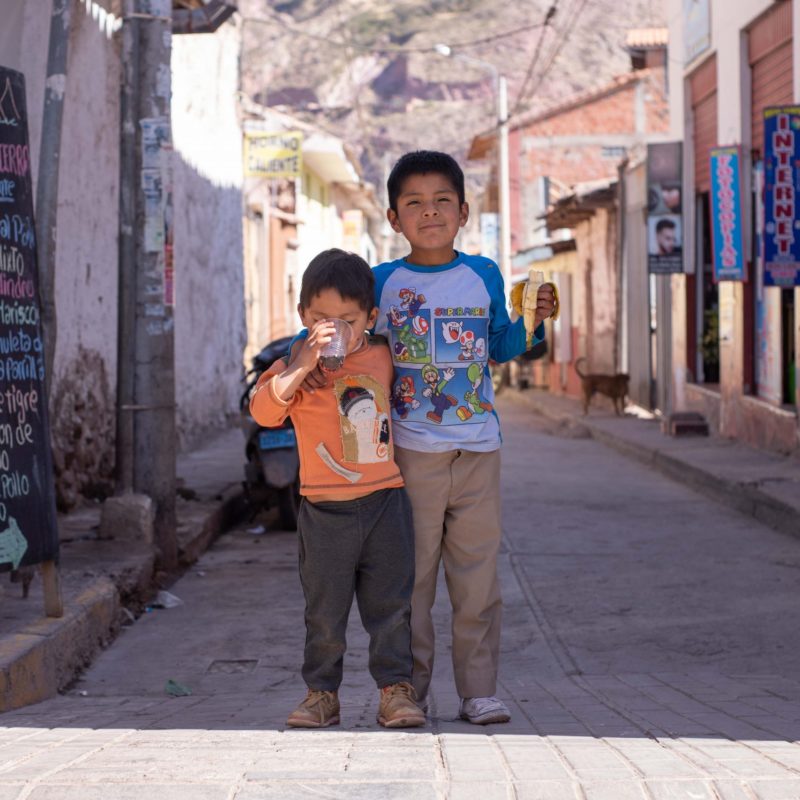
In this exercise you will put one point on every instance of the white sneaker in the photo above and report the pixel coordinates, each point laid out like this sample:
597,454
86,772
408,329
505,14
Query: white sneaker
483,710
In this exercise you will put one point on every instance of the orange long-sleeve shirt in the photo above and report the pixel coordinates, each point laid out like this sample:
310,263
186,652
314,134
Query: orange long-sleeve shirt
343,430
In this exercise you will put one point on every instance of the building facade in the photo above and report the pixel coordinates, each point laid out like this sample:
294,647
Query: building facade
207,202
291,218
734,343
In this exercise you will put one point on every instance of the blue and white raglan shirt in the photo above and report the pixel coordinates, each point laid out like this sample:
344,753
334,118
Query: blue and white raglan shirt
443,324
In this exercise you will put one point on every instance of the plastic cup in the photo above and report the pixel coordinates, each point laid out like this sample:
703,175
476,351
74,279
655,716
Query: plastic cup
332,355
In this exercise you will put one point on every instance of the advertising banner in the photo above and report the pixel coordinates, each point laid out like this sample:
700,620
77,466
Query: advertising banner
781,217
696,28
273,155
730,263
664,208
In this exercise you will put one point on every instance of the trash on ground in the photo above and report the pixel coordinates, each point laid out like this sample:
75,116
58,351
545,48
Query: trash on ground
258,530
167,600
175,689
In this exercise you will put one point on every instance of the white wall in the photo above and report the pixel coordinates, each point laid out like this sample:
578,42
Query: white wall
82,396
210,331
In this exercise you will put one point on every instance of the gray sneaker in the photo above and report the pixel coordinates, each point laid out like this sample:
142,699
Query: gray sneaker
483,710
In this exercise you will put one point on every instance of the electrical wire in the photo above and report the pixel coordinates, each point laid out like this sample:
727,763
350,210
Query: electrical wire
569,27
276,18
551,12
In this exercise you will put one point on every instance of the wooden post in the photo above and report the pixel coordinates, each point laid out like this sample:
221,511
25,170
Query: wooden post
51,583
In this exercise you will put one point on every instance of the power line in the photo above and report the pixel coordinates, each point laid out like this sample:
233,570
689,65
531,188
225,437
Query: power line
551,12
276,18
568,29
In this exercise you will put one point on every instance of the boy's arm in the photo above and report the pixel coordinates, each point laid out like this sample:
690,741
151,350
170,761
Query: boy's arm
276,388
507,339
266,407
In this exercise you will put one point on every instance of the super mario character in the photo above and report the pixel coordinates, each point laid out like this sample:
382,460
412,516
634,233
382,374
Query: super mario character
403,399
435,391
414,336
451,331
395,317
471,348
411,301
473,398
370,426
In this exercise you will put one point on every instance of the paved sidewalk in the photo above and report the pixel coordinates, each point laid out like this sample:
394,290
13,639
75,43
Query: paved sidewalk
758,483
649,651
39,655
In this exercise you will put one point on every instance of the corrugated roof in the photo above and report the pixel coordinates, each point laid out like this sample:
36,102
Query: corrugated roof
647,37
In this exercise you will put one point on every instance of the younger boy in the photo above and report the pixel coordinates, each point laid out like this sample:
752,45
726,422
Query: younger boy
355,529
444,313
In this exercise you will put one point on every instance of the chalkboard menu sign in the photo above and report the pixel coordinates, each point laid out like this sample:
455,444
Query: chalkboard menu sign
28,532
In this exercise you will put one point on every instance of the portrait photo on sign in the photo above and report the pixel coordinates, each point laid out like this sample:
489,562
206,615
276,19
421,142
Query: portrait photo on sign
664,235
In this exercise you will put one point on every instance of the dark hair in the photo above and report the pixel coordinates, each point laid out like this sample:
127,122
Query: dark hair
424,162
348,273
664,223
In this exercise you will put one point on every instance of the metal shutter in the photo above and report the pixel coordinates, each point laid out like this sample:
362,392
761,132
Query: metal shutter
703,86
769,44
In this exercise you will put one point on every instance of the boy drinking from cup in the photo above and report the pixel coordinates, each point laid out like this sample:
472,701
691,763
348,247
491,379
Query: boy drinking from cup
356,536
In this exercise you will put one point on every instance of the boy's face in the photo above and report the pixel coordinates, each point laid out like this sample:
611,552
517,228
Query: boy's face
329,304
429,216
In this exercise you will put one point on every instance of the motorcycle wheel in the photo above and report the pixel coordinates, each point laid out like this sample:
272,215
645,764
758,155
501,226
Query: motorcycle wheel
288,506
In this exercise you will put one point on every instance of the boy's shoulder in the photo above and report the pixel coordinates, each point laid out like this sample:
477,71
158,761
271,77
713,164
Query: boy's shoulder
475,261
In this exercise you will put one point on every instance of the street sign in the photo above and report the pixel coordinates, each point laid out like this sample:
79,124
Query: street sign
730,263
781,206
28,532
273,155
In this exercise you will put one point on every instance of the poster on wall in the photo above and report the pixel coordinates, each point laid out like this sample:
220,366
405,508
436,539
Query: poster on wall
730,263
696,28
28,532
768,354
781,212
490,235
664,208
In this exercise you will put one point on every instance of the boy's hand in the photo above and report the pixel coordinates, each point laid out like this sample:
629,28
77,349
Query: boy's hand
315,378
545,304
319,335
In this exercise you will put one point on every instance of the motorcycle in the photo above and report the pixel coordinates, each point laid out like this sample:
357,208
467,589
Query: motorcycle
272,470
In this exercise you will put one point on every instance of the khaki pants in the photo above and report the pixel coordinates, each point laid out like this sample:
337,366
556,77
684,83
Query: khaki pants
455,500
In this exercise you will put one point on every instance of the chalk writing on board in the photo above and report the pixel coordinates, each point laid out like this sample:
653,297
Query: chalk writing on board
28,533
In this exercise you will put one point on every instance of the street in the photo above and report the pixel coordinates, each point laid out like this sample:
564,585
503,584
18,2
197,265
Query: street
650,650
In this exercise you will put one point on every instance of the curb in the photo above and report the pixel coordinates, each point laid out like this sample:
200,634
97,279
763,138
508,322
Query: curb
46,656
742,497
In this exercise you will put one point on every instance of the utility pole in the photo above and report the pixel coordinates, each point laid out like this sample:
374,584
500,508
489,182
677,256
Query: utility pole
47,180
504,188
146,437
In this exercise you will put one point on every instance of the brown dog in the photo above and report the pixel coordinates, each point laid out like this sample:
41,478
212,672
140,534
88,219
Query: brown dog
613,386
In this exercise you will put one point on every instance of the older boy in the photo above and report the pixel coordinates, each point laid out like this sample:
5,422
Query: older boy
448,447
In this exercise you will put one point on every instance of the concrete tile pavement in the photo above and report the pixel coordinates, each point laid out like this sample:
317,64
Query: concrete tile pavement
599,709
756,482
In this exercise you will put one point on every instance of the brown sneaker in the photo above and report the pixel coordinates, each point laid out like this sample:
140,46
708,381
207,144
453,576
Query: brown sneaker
398,707
318,710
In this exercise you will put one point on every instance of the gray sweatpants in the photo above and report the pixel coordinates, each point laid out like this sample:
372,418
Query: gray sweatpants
365,548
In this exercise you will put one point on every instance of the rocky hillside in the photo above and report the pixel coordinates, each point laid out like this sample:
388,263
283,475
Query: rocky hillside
368,70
